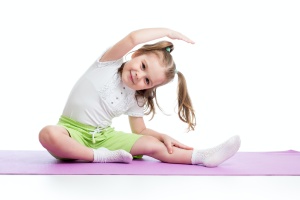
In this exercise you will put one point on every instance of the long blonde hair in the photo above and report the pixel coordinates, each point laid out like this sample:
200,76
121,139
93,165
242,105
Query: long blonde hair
163,50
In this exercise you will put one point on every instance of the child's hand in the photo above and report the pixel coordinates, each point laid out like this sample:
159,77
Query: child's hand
178,36
170,142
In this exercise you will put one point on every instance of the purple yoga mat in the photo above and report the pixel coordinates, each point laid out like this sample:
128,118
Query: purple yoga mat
280,163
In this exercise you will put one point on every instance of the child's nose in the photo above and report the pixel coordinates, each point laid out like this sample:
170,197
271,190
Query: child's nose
139,74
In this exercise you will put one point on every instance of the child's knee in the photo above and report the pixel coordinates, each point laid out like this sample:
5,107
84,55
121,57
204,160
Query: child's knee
48,134
152,145
44,134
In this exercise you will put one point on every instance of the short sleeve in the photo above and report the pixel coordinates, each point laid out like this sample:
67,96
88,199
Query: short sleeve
118,62
136,109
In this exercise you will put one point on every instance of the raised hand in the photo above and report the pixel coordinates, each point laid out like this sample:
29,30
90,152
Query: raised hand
179,36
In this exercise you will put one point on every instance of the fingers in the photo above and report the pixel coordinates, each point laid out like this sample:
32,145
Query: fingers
182,146
188,40
170,143
179,36
170,146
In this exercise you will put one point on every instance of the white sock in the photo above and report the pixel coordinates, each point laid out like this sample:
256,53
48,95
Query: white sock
103,155
212,157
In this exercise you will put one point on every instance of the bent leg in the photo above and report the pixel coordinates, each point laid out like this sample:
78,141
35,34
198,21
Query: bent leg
57,141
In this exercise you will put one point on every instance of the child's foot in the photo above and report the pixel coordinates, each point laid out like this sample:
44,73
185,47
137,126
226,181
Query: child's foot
215,156
103,155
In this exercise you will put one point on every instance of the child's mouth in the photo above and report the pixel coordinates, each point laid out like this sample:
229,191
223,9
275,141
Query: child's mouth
131,77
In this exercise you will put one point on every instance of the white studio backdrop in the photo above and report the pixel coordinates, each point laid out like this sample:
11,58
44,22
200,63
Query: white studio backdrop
243,72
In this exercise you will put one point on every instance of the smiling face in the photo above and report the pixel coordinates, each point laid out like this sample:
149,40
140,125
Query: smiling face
143,72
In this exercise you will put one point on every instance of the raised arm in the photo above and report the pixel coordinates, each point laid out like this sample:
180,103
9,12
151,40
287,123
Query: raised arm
137,37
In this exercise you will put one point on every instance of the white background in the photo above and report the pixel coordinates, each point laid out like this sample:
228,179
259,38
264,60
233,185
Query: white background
242,73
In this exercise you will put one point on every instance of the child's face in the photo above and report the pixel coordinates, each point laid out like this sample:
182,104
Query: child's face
143,72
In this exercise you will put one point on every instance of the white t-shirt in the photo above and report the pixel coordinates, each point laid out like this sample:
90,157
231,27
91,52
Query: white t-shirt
100,95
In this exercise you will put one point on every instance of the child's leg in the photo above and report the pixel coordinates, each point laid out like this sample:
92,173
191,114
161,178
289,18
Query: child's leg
212,157
57,141
148,145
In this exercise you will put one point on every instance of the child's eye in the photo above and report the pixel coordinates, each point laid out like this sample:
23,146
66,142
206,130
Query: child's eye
147,81
143,66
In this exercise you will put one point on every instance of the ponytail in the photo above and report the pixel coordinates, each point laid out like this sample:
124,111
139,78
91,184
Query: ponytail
185,109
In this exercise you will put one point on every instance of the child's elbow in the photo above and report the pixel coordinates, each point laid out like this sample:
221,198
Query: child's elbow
133,38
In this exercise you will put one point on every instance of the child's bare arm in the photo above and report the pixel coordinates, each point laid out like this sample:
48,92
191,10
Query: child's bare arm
140,36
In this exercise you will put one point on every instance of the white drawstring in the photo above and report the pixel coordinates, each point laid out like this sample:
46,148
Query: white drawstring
97,130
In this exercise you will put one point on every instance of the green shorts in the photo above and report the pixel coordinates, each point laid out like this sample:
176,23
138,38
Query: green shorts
95,138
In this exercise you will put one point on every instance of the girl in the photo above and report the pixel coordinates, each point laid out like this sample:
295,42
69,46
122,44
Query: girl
111,87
